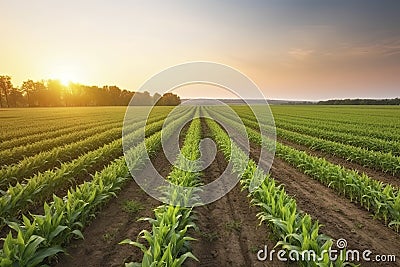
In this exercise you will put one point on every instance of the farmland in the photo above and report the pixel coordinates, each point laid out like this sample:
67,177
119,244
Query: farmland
67,197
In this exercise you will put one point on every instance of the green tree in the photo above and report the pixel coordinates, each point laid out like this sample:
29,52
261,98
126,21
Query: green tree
5,88
142,99
41,94
169,99
55,91
28,87
16,97
156,97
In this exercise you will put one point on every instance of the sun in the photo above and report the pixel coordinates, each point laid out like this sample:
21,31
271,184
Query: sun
66,78
65,74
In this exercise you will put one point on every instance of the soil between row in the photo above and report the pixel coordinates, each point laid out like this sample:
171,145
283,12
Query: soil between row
340,217
373,174
229,234
228,231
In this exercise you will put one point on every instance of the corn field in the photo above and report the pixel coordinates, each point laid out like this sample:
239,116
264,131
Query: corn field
67,196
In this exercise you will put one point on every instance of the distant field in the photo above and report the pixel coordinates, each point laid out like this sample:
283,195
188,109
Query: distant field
336,175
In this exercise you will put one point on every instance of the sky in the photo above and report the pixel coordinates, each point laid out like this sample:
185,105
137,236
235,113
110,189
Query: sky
297,50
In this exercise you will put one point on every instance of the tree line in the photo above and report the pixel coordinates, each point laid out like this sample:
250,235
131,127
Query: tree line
52,93
393,101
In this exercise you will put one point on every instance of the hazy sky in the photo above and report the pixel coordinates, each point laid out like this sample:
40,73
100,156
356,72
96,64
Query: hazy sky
291,49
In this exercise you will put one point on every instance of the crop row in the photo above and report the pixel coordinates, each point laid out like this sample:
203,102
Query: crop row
355,130
47,121
370,143
63,129
42,185
168,240
29,127
379,132
382,199
43,236
337,134
295,230
50,159
322,123
13,155
385,162
46,160
17,129
369,117
16,142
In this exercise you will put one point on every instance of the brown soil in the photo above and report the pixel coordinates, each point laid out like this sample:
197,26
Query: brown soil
112,225
340,217
229,234
374,174
37,206
100,246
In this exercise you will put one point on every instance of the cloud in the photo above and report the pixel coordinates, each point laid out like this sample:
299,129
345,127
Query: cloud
299,53
387,47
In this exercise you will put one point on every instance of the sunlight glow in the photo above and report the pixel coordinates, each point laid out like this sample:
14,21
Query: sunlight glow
66,74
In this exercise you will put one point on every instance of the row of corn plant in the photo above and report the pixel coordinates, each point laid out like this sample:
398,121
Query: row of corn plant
15,154
370,143
29,139
53,158
330,125
10,175
63,130
294,230
168,242
20,197
386,162
29,127
30,122
381,161
355,130
383,200
40,237
373,120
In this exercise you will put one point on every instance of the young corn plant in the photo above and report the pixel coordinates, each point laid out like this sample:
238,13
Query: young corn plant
40,187
43,236
295,230
168,243
375,196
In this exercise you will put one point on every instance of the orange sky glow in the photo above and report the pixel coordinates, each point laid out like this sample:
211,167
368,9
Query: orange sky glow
297,50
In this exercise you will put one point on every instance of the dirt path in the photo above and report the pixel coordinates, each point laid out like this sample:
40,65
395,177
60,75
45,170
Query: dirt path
100,246
228,234
114,224
374,174
340,217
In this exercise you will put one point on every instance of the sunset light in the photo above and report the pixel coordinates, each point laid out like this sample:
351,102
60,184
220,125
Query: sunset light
66,74
304,50
200,133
